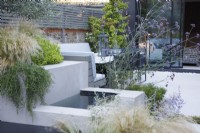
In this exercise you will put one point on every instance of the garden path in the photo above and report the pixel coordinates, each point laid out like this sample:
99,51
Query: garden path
187,83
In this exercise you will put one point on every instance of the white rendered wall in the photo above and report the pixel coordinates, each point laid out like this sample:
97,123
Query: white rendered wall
69,78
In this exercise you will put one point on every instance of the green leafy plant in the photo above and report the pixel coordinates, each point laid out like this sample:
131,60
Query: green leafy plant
50,53
16,47
154,93
25,84
112,23
31,9
196,119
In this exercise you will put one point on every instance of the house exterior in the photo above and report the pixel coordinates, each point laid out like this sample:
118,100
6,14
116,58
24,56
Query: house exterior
185,14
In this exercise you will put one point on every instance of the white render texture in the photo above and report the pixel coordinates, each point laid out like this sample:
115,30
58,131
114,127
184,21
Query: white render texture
68,77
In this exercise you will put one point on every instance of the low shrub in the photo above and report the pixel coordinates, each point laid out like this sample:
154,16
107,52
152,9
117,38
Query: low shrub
150,90
50,53
196,119
25,84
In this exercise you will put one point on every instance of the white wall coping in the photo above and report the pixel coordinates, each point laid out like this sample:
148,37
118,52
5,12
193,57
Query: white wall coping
62,64
63,110
122,93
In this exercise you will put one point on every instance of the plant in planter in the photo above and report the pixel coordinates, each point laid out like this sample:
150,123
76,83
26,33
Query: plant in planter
16,46
21,81
49,54
25,84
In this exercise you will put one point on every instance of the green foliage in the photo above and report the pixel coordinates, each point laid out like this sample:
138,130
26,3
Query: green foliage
50,53
31,9
150,90
92,37
196,119
25,84
16,47
114,25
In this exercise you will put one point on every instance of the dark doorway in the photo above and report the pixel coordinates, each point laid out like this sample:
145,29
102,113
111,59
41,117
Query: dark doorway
191,46
192,16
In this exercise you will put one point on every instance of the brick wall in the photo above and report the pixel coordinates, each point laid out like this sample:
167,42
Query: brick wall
66,36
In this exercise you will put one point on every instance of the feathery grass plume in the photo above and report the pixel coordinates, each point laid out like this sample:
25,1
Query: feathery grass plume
117,119
66,128
16,47
29,28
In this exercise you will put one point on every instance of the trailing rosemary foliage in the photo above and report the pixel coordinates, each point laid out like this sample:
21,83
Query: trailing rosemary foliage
25,84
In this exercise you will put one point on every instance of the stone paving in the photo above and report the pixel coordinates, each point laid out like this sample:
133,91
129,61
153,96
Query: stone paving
187,83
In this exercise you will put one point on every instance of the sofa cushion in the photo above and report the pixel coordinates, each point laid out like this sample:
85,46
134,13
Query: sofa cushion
99,77
83,54
78,47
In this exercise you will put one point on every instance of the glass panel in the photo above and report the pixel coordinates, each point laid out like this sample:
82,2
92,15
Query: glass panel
164,28
176,31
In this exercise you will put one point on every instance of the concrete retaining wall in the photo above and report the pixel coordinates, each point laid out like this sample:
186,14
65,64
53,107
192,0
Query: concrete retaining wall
70,78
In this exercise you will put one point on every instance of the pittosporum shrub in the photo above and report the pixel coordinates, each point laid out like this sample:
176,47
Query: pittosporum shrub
50,53
113,23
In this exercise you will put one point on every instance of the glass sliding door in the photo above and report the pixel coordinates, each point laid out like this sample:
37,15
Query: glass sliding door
164,45
176,39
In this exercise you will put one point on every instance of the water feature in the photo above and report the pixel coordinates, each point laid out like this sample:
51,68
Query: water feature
82,100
